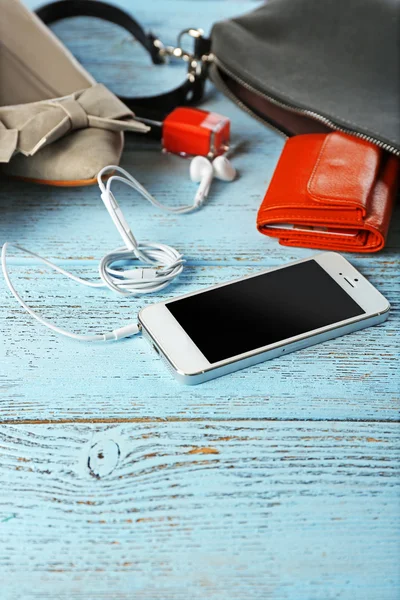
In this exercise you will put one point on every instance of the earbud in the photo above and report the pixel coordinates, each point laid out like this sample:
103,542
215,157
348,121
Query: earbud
223,169
203,171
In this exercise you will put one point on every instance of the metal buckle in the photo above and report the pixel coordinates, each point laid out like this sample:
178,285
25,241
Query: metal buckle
195,64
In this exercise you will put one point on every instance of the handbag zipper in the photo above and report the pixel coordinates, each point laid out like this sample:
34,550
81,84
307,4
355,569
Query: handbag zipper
302,111
228,92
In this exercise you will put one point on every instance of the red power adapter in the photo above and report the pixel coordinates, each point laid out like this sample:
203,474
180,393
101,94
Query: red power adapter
190,131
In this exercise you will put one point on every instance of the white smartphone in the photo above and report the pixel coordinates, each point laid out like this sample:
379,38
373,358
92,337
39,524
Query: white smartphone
233,325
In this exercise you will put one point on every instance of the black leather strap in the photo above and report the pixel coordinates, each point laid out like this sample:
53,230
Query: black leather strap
152,107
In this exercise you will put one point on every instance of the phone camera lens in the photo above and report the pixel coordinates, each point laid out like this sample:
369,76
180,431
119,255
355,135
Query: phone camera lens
356,280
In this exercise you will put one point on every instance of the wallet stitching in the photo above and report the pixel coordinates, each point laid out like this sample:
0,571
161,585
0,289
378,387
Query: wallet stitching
300,236
300,216
316,236
304,205
300,205
324,237
281,233
375,234
319,237
367,245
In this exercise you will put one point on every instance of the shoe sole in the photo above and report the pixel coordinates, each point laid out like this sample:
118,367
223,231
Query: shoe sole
58,183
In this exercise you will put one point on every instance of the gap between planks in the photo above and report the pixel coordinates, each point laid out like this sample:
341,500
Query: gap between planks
111,420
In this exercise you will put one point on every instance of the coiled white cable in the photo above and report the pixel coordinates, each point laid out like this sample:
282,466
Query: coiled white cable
117,334
166,262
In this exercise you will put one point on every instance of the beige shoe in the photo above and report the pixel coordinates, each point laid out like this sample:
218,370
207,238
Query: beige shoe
57,126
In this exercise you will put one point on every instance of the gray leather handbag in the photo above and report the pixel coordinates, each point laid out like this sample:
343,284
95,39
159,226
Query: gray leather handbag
303,66
309,66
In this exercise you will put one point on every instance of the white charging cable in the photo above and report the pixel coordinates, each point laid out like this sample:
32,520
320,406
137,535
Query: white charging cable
166,262
117,334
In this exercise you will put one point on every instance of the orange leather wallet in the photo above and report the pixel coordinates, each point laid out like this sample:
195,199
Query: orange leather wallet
330,191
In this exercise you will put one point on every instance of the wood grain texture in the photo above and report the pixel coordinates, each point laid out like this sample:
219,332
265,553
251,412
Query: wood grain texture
279,482
353,377
200,510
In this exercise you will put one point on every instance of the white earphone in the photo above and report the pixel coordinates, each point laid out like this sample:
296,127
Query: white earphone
164,262
203,171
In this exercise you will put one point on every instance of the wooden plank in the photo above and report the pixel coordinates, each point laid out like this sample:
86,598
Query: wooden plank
266,510
46,377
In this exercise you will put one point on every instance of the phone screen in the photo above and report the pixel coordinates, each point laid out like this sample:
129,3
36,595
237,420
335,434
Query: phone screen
262,310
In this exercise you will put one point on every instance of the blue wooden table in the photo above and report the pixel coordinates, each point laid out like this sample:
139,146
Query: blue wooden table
276,482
